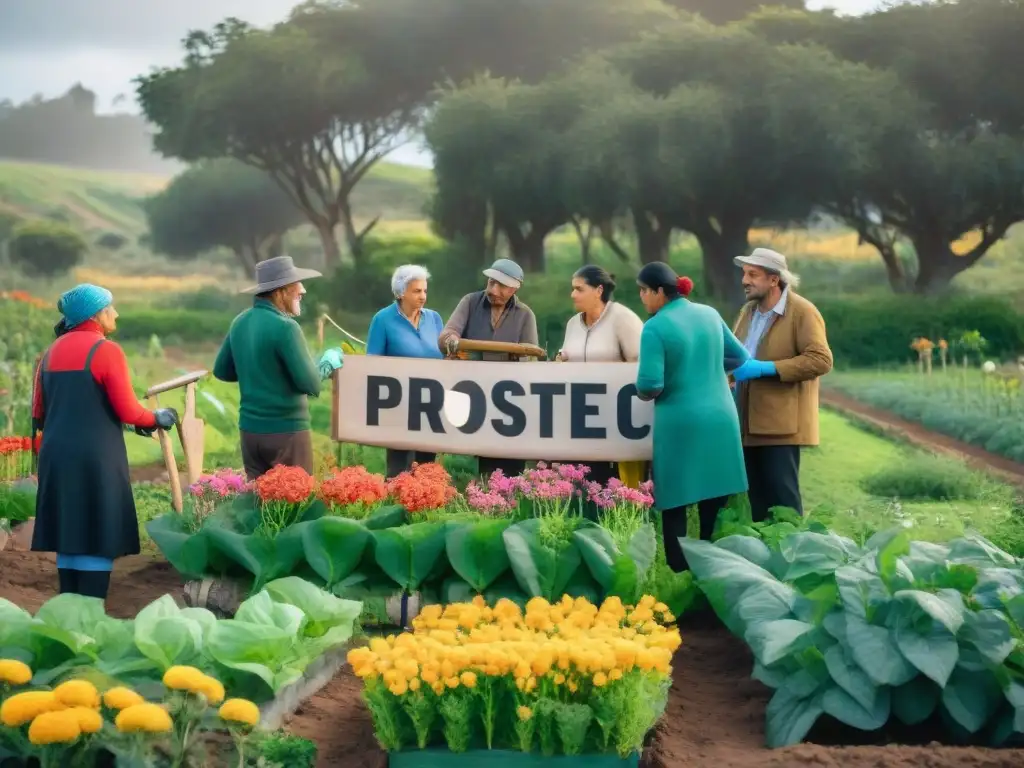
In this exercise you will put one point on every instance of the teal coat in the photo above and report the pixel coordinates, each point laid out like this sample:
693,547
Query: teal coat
685,351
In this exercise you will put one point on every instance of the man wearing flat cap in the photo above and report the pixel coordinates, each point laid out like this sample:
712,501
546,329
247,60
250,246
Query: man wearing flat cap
265,352
493,314
777,389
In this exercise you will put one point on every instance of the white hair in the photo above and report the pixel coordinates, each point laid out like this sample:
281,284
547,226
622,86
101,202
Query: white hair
789,279
404,275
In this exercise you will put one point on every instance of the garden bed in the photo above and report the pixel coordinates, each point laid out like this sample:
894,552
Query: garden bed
715,714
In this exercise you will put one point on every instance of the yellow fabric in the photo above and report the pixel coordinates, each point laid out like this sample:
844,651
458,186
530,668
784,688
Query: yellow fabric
631,473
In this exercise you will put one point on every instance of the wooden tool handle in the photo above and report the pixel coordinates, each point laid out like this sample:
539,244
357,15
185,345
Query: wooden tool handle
177,502
503,348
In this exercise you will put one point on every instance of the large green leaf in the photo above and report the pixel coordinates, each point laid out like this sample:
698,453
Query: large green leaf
851,678
14,624
875,651
329,620
997,585
263,610
978,551
187,552
265,558
477,551
747,547
771,641
166,637
71,620
846,709
264,650
988,632
333,547
924,627
807,552
915,701
540,570
409,554
971,698
790,718
642,548
861,592
385,517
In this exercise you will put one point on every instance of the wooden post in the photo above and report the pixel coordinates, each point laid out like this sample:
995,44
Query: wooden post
191,434
177,503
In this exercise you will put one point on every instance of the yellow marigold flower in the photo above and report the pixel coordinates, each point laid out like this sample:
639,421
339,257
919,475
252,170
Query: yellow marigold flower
89,720
239,711
452,682
615,674
438,687
184,679
559,679
647,601
25,707
667,617
54,728
212,689
600,680
414,684
468,679
399,687
121,698
144,718
524,713
77,693
572,686
660,608
14,672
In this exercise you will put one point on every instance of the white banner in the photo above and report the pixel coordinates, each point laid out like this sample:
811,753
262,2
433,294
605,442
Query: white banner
528,410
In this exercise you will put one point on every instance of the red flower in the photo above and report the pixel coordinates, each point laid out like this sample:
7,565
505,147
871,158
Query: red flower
425,487
353,485
292,485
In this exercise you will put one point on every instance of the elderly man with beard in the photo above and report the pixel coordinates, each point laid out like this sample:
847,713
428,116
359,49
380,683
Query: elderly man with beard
493,314
777,389
265,352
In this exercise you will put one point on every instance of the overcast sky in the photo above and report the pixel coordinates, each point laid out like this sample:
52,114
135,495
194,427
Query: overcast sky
48,45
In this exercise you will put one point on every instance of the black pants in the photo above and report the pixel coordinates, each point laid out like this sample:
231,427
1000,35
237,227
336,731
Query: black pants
402,461
85,583
261,453
673,526
773,474
510,467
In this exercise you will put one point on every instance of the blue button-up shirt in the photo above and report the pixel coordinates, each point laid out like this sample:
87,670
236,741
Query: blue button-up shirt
760,322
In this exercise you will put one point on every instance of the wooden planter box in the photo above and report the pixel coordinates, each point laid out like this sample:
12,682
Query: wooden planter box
501,758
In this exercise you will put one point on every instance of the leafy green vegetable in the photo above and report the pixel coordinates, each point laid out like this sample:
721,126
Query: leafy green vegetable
896,628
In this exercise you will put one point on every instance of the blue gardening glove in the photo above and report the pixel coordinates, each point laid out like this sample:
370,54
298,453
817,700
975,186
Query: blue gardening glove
166,418
754,369
330,361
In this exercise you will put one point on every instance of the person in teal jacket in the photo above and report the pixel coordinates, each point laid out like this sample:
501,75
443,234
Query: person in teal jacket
686,349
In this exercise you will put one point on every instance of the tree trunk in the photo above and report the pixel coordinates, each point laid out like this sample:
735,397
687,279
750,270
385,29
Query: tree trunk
355,238
937,265
652,236
247,258
607,230
527,250
885,244
332,252
722,278
272,246
585,236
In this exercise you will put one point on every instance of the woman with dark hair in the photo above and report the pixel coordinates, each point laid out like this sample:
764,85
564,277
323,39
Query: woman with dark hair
685,351
601,331
85,511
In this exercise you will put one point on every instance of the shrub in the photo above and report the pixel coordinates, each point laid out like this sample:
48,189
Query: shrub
924,478
46,249
112,241
172,325
8,221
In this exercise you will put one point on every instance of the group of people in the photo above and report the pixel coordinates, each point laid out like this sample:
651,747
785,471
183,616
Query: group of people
732,407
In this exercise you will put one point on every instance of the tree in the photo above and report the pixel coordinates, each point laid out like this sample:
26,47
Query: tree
725,11
955,169
45,249
798,123
220,203
287,102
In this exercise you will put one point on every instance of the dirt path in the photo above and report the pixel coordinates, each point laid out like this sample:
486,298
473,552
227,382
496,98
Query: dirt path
1006,469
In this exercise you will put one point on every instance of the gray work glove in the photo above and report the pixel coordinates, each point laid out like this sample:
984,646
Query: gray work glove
166,418
451,346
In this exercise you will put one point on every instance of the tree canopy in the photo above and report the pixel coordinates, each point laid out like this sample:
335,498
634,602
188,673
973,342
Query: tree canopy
45,248
220,203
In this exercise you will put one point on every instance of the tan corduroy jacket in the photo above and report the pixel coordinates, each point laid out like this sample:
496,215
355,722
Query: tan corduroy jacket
784,410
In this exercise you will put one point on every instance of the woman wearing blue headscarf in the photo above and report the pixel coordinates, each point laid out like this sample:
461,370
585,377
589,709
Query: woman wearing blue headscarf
83,396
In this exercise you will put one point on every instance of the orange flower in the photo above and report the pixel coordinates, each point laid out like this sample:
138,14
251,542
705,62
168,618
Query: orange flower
353,485
292,485
425,487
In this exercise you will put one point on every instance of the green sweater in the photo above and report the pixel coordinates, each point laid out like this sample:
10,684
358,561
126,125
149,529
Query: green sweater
266,353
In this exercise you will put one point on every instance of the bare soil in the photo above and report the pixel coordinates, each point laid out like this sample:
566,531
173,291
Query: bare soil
1007,469
714,719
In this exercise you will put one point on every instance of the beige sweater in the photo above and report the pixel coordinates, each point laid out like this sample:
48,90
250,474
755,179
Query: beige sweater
614,338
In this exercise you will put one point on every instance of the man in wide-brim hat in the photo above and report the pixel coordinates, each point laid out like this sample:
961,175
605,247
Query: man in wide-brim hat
266,353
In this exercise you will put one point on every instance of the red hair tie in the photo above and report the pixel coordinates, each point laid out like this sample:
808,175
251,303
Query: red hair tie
685,285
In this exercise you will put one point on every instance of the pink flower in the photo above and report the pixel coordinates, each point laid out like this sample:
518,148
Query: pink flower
576,473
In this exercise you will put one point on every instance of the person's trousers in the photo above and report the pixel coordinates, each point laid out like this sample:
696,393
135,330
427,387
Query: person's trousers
673,527
402,461
509,467
261,453
773,476
85,583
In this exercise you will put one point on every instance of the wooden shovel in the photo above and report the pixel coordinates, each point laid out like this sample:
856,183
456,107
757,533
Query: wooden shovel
514,351
190,433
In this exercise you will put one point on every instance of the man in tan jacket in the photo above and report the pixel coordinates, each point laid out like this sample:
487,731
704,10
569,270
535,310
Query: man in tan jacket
777,389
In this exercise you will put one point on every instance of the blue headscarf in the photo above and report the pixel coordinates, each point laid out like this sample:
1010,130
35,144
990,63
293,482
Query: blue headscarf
82,303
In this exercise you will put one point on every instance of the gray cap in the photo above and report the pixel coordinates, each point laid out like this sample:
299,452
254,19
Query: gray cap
277,273
765,258
506,272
